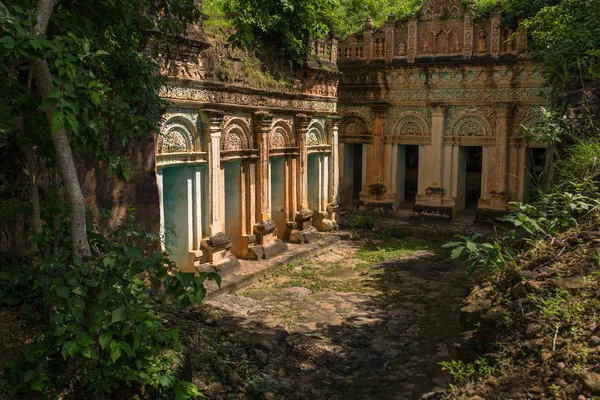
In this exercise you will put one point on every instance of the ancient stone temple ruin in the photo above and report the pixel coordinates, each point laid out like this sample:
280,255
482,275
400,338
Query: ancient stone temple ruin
433,113
240,170
430,115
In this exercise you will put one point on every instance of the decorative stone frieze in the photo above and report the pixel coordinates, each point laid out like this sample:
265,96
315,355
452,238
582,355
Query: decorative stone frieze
200,95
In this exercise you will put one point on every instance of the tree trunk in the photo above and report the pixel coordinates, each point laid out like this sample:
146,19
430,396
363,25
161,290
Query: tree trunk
62,147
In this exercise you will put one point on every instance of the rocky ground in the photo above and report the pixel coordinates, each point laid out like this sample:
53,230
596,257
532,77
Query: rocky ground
533,332
365,319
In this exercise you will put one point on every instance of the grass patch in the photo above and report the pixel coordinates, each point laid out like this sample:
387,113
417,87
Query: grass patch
376,252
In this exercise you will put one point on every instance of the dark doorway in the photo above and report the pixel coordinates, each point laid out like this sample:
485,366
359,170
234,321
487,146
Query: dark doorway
353,173
411,178
535,172
357,171
473,157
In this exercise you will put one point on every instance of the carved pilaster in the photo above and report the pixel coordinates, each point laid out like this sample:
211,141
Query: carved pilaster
411,51
333,126
334,49
438,115
389,28
495,34
521,38
302,123
468,35
368,38
262,127
215,127
379,112
502,134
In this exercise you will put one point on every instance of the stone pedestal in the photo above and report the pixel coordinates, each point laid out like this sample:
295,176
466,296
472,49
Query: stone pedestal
216,254
267,245
433,206
304,232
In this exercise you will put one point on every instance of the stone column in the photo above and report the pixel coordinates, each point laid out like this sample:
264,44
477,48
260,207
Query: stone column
437,142
334,49
218,243
502,134
368,38
468,47
495,36
304,232
262,127
411,51
161,197
265,228
333,125
215,119
390,29
379,140
435,192
302,125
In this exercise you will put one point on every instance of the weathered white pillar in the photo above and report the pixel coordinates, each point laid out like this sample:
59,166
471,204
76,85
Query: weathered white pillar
161,199
198,183
502,134
437,141
215,182
302,125
262,127
333,126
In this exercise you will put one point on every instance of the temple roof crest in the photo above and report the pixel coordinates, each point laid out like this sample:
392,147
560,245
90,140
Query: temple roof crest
433,9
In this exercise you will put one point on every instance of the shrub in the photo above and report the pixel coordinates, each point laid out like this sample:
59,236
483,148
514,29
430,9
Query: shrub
105,332
488,258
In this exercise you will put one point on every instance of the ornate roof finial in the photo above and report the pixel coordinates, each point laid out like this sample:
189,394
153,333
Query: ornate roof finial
368,24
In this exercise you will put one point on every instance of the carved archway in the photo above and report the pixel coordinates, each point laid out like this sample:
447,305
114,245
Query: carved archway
316,134
411,125
355,129
178,134
236,136
471,126
281,136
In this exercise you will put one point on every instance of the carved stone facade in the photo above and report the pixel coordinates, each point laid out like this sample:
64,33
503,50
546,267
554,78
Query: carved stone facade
241,171
443,28
446,109
434,109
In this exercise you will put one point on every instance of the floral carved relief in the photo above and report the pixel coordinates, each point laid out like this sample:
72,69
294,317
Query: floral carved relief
433,9
178,134
277,140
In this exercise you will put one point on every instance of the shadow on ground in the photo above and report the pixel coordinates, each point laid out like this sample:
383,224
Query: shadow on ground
365,319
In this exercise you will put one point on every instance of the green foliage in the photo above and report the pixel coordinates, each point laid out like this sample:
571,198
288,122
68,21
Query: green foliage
104,332
362,222
105,89
481,8
581,160
487,258
350,15
515,9
286,25
468,373
551,213
566,39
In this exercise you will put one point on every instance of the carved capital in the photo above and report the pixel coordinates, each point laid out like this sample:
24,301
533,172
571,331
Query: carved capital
262,121
214,117
302,122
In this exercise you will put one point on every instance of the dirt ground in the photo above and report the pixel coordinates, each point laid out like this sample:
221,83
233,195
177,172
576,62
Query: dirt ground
364,319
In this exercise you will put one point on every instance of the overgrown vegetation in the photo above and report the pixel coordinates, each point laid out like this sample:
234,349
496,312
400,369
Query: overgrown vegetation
103,333
79,83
